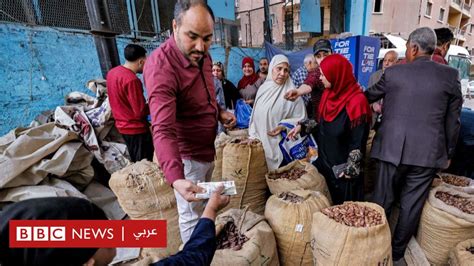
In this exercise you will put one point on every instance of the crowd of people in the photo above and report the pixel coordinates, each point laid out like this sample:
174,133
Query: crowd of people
188,95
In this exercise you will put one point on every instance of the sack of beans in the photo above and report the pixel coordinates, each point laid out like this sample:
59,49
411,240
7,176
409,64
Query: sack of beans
353,233
244,162
290,215
460,183
297,175
238,132
220,143
462,254
446,220
244,238
143,194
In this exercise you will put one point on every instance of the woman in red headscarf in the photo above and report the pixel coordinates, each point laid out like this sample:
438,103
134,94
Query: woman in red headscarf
250,82
341,129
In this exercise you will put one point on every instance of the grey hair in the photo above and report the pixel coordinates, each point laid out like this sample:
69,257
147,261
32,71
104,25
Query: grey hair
184,5
391,52
424,38
308,58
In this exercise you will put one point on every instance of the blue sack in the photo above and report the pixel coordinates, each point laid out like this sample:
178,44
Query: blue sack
243,112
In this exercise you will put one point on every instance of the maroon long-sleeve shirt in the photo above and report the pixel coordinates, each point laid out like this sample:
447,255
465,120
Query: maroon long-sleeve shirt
317,87
183,108
128,104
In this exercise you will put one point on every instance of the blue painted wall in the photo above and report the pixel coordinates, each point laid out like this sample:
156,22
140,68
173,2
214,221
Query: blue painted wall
358,14
40,66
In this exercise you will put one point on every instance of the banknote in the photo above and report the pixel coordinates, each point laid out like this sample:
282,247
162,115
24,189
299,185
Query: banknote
229,189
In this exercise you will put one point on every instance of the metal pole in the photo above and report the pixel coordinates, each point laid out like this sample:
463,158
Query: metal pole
266,23
250,29
104,37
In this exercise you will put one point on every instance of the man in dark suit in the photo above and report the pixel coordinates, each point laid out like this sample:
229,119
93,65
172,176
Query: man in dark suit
417,136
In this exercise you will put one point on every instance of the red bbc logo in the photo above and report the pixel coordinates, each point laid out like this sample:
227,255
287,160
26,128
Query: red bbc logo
40,233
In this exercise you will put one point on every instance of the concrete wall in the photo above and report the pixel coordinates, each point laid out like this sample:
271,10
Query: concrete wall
397,17
40,66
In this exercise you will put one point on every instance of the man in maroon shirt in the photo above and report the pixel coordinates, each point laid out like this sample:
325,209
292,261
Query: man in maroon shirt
444,36
184,112
128,104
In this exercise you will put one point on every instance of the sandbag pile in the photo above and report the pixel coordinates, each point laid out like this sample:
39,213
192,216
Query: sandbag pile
244,162
353,233
462,254
244,238
446,220
460,183
144,195
297,175
290,215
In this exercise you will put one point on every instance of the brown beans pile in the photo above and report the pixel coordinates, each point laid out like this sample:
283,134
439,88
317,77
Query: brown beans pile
291,197
463,204
292,174
231,238
354,215
455,180
245,141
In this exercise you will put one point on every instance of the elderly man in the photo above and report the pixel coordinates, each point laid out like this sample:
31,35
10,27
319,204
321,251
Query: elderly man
300,75
417,137
444,36
321,49
389,59
184,112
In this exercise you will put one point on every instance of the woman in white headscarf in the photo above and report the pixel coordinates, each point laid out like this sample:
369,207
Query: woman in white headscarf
271,110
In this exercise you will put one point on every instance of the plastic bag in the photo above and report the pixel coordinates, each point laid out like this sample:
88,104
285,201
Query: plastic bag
243,112
297,149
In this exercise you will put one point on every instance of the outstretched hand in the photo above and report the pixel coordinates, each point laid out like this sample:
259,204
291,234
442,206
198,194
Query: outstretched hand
293,134
188,189
276,131
292,95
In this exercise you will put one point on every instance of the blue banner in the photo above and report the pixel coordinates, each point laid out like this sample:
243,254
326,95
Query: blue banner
223,8
368,49
295,58
310,15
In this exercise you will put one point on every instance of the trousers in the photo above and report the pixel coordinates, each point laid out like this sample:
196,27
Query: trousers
411,184
190,212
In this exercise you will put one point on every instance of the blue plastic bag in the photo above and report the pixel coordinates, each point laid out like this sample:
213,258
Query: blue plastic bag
295,150
243,112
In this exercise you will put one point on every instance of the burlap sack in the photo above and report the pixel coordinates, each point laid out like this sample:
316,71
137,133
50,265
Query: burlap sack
334,243
240,133
291,223
442,226
312,180
461,254
143,194
245,164
467,189
260,249
220,143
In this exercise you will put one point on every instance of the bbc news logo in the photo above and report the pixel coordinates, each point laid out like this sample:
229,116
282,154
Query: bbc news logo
87,233
40,233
